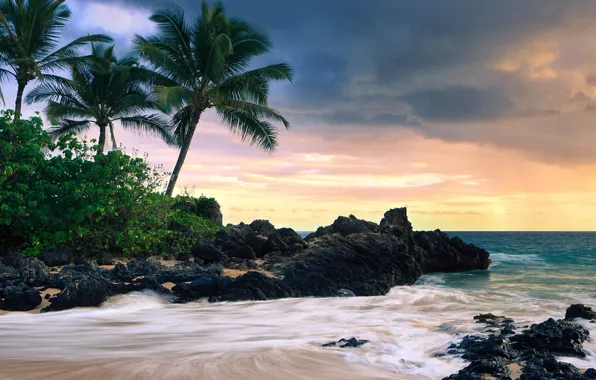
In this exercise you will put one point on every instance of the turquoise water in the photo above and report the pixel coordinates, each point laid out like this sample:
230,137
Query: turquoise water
543,265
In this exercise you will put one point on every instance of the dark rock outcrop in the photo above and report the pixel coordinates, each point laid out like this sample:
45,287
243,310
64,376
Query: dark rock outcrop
444,254
579,311
208,252
19,298
255,286
345,226
56,256
534,351
93,290
346,343
366,264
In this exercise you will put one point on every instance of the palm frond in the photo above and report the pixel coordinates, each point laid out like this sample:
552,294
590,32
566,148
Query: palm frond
249,128
153,124
69,126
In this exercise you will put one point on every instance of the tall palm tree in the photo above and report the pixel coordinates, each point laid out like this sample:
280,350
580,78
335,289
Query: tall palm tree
29,35
102,90
203,65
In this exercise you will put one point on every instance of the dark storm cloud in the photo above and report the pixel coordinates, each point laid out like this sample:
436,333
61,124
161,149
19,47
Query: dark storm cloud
416,63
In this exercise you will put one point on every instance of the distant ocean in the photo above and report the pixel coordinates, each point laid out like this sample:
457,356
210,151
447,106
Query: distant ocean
534,276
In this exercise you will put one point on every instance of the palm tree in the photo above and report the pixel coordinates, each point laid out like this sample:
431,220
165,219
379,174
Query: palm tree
102,90
29,34
203,65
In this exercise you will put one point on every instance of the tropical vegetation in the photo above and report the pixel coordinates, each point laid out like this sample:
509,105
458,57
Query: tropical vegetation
102,90
29,35
57,190
203,65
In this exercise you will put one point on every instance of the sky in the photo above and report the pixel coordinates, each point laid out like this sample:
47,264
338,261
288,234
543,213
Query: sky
476,115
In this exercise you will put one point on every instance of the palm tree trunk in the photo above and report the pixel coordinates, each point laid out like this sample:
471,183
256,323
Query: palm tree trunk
19,102
102,138
113,137
182,156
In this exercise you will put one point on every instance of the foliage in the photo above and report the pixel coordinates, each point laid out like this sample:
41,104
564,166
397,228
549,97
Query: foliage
202,65
30,31
102,90
61,193
202,206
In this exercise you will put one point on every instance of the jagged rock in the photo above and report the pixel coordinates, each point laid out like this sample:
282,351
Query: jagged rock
483,318
262,227
544,366
256,242
553,337
104,258
345,226
56,256
92,290
345,293
204,286
243,252
478,369
395,222
144,267
345,343
579,311
184,272
367,264
208,252
19,298
255,286
444,254
121,273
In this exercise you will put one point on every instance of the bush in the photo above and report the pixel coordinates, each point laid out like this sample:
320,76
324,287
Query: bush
56,194
202,206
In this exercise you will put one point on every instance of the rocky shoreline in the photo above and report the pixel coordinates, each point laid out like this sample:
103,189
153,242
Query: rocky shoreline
351,257
529,355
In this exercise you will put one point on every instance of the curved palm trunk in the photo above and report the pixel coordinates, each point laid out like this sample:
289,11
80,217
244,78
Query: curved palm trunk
19,102
102,138
182,156
113,137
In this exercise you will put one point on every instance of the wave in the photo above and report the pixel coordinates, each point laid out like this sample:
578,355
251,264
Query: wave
515,258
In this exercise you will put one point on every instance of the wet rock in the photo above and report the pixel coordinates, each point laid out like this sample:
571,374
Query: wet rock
367,264
478,369
579,311
553,337
19,298
483,318
204,286
544,366
56,256
92,290
346,343
440,253
476,348
255,286
121,273
181,272
345,293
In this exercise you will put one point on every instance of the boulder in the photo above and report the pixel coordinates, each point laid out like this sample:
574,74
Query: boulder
243,252
262,227
345,343
92,290
368,264
579,311
560,338
255,286
56,256
208,252
144,267
439,253
19,298
104,258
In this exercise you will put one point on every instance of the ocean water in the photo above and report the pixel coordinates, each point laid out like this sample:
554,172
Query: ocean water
534,276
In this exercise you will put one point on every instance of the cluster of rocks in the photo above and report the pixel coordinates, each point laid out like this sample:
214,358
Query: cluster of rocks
350,257
530,354
346,343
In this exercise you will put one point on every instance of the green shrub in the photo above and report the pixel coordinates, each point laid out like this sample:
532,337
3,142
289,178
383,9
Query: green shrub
54,194
202,206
